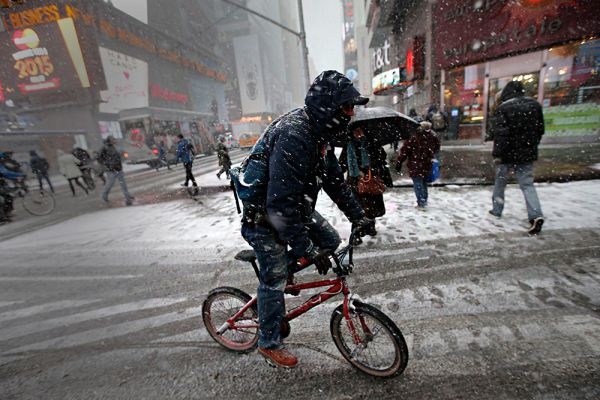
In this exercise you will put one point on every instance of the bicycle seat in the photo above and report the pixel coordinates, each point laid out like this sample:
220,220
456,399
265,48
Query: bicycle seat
246,255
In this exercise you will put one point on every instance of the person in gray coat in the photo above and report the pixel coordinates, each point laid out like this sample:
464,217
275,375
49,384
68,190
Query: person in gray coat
69,167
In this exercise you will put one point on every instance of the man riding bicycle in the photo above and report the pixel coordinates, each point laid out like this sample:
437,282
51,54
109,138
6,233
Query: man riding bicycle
298,162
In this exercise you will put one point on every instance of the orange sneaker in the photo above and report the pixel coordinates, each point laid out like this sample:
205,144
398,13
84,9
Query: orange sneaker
279,357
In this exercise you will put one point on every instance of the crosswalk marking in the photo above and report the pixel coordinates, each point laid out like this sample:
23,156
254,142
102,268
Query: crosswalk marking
9,303
108,332
581,330
40,326
43,308
198,334
65,278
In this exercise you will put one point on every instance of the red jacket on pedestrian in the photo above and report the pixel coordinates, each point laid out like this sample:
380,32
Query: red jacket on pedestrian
419,150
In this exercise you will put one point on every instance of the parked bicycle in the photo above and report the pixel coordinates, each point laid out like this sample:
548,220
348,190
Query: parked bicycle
366,337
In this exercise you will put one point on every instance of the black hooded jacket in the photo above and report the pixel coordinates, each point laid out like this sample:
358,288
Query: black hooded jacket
518,126
110,157
299,162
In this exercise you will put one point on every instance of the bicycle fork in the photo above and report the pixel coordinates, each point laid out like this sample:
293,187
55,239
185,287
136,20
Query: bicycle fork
360,342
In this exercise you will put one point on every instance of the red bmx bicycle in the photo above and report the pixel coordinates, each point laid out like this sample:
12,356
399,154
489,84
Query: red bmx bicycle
367,338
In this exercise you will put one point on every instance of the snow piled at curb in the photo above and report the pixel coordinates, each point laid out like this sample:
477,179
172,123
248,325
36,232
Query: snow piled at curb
213,225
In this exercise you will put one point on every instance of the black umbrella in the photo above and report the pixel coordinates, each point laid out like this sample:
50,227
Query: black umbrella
382,124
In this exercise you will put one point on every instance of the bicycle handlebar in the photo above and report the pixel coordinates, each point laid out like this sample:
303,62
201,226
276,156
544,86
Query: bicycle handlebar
303,262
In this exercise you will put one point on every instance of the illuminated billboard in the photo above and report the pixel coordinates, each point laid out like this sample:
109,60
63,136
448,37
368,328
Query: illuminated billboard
126,80
41,59
389,79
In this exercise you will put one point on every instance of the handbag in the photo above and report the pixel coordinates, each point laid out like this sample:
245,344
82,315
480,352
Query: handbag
435,172
370,184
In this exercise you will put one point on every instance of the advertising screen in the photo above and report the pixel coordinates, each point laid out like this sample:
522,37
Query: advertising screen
41,59
127,82
389,79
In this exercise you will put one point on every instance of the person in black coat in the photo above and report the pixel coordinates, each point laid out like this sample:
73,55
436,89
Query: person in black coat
40,166
295,160
85,166
224,159
110,158
517,132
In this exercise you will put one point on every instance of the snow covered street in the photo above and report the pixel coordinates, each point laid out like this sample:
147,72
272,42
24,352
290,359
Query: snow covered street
110,302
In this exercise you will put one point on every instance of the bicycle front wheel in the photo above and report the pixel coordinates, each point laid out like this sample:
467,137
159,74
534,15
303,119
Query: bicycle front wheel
377,347
38,202
220,305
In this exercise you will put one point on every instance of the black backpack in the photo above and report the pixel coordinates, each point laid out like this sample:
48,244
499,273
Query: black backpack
190,148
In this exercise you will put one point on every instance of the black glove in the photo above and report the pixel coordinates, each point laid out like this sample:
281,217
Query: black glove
365,226
319,258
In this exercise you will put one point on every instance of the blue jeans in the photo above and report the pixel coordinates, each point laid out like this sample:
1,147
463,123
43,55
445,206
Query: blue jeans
524,174
273,260
420,188
111,176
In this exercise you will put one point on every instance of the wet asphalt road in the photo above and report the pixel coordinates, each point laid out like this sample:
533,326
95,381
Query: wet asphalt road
498,317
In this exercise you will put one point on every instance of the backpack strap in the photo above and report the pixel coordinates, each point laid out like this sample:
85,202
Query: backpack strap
235,196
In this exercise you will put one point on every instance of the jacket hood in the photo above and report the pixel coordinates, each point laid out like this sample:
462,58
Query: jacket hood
511,90
327,93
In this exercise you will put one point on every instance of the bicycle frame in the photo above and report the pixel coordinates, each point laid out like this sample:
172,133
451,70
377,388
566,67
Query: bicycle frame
335,287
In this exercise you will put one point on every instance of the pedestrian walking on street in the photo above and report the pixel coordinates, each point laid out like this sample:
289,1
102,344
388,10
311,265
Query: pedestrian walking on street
68,165
224,160
283,175
98,168
414,115
85,165
518,130
110,158
185,153
419,150
162,155
40,166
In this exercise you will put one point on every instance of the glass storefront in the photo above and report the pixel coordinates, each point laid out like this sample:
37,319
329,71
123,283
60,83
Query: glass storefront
464,93
463,100
571,96
570,90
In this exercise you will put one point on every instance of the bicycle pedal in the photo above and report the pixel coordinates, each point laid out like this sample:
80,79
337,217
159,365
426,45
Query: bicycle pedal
270,363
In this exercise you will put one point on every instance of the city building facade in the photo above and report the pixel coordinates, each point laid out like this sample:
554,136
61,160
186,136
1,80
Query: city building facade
459,54
142,85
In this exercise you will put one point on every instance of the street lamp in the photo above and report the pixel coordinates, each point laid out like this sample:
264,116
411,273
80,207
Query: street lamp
301,35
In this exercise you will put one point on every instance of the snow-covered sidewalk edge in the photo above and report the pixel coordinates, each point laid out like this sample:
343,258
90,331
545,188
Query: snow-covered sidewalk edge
213,225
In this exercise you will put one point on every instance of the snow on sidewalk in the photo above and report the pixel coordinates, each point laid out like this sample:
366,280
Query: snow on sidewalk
212,226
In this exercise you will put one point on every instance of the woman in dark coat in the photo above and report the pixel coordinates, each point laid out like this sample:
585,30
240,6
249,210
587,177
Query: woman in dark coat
419,150
358,156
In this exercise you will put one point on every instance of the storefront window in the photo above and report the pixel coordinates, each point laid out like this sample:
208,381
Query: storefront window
464,93
572,90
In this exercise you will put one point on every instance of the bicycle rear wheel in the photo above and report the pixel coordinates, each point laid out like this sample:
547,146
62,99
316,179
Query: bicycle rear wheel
38,202
381,350
220,305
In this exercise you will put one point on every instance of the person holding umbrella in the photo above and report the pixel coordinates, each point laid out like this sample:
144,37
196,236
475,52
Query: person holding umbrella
364,160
